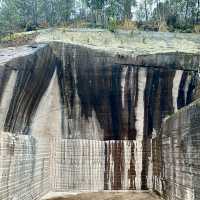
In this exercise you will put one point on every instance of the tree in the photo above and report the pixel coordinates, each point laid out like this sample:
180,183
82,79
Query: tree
114,9
97,10
145,10
198,11
9,15
16,14
127,8
21,13
65,9
95,4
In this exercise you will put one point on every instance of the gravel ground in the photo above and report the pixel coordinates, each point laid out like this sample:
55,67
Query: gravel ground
103,196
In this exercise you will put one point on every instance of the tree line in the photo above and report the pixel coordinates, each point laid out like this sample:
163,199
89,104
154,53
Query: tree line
30,14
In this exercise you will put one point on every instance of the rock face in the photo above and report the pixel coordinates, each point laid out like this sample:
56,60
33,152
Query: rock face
24,167
179,169
98,111
24,160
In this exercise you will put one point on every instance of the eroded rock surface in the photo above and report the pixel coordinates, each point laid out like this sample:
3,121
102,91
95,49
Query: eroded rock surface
103,196
179,167
97,110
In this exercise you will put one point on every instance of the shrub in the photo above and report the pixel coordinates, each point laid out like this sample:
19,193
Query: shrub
112,24
172,21
30,27
196,28
148,26
163,26
128,25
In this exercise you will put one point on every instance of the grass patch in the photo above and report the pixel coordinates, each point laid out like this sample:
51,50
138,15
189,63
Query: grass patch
128,25
196,28
16,39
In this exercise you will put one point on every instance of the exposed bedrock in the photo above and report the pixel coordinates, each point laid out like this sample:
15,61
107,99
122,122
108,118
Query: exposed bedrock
99,110
98,98
178,167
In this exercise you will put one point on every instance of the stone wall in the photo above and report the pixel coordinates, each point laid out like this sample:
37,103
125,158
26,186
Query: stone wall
157,181
90,165
24,168
180,155
78,165
95,109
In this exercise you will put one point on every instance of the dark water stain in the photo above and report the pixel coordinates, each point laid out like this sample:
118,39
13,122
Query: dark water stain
132,172
4,77
181,93
31,84
191,90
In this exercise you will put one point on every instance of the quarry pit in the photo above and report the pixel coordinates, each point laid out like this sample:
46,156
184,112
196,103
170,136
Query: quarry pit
78,116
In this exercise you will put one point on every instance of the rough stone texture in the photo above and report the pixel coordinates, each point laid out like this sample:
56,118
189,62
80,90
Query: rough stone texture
24,158
79,165
24,168
180,155
197,89
98,112
103,196
157,182
116,98
90,165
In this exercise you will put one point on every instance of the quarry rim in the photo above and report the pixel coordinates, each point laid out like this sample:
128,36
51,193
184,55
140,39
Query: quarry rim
170,60
18,60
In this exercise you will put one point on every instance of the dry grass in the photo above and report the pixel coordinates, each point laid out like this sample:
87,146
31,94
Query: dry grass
78,24
18,39
163,27
127,42
128,25
197,28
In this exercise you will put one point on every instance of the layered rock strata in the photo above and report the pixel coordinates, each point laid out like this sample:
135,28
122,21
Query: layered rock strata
179,164
100,112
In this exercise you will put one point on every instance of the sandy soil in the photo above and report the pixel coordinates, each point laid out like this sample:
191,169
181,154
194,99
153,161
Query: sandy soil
105,196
